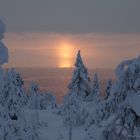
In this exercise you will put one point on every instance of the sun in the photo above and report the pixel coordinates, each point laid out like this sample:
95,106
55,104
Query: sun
65,52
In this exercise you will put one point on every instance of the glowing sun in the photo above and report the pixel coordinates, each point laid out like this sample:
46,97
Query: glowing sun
65,54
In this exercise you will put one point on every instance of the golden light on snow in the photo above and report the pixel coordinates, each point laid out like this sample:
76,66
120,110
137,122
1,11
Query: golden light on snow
65,52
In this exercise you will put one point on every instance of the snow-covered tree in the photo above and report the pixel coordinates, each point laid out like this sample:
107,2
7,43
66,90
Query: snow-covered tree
21,129
34,97
40,101
108,89
48,100
3,48
2,75
13,96
73,112
80,80
121,109
31,127
95,89
3,55
70,113
12,117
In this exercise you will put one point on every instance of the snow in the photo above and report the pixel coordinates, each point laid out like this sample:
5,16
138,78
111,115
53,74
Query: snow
134,103
55,127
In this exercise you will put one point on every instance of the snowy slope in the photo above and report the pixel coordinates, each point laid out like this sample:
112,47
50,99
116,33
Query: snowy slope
55,130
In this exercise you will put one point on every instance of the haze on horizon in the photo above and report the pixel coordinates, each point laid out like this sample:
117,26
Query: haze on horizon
49,33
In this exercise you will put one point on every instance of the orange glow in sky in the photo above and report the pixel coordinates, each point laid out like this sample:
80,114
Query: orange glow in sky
59,50
65,54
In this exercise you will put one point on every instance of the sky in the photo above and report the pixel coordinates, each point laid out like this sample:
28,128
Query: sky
48,33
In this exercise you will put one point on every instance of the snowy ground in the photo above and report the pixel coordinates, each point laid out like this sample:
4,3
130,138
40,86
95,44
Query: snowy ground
55,130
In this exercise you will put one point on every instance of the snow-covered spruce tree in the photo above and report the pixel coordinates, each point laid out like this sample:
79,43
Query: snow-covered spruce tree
40,101
72,109
31,127
124,121
108,89
117,96
48,100
70,116
12,117
95,89
3,54
73,113
34,97
80,80
13,96
3,48
94,103
2,73
14,125
21,129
